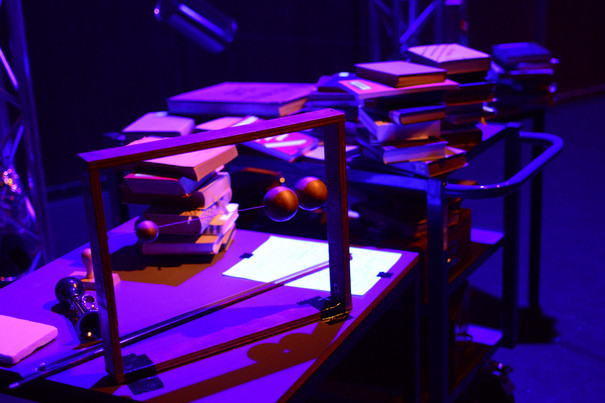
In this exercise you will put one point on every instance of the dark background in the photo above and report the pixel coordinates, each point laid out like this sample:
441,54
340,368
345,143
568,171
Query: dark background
98,66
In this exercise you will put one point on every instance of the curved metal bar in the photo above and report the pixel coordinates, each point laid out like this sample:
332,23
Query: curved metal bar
514,183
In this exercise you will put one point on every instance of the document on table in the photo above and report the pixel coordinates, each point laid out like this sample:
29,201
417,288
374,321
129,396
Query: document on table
278,257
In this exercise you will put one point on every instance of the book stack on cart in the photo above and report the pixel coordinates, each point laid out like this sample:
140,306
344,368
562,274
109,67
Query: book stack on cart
524,75
188,196
400,108
467,105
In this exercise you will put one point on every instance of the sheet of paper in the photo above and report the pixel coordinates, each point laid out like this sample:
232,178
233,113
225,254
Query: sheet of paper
278,257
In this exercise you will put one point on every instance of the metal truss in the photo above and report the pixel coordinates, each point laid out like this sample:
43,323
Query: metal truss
394,27
23,205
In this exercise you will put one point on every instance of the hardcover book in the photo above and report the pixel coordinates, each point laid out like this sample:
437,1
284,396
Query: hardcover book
190,245
455,158
386,132
242,98
412,114
469,93
453,57
177,221
218,187
146,184
432,150
194,165
158,124
287,147
509,55
399,73
365,89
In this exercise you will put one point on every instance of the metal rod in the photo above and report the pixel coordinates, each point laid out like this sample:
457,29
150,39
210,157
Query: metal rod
96,351
514,182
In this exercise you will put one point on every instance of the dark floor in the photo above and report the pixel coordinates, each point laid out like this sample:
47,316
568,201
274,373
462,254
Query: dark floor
561,359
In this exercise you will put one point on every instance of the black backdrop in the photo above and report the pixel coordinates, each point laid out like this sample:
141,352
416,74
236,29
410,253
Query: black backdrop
98,65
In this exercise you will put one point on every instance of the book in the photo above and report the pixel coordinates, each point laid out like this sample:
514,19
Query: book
418,99
387,132
242,98
176,187
453,57
399,73
470,93
411,114
424,152
319,152
287,147
455,158
188,203
329,83
536,72
510,55
364,89
20,337
465,136
222,221
475,116
159,124
178,221
219,123
203,244
327,88
193,165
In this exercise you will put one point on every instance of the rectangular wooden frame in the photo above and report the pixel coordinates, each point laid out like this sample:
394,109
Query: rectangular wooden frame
331,121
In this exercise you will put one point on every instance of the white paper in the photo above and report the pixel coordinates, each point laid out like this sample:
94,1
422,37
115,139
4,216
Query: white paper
278,257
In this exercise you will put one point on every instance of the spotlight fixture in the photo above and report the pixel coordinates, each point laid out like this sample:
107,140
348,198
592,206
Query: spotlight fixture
198,21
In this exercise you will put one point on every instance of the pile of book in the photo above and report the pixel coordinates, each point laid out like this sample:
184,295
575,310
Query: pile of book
467,105
329,94
400,108
188,196
229,104
524,74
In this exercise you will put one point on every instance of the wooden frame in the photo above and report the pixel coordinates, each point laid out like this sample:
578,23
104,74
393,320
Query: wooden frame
331,121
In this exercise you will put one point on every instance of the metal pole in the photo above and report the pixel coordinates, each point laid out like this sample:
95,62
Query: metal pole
35,173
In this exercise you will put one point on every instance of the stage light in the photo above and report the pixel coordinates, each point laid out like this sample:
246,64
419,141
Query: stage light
198,21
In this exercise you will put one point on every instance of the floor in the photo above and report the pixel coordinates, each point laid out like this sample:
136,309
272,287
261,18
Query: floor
559,358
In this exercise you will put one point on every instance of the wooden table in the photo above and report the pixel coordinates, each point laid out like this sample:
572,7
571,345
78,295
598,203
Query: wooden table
281,367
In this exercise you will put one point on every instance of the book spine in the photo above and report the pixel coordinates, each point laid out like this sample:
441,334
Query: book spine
214,190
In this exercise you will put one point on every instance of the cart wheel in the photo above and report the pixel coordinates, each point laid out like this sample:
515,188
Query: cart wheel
491,384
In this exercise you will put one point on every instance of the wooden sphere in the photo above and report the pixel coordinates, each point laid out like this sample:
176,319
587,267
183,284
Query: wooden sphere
147,231
312,193
280,203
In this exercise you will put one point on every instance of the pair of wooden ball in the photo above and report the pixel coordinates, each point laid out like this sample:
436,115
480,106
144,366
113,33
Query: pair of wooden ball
280,203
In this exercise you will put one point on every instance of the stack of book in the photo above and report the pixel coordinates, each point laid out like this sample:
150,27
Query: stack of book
328,94
188,196
401,106
467,105
524,75
287,147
